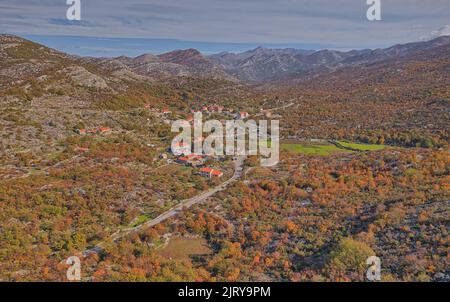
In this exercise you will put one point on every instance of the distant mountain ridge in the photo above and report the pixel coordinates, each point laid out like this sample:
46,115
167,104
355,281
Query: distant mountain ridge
253,66
262,64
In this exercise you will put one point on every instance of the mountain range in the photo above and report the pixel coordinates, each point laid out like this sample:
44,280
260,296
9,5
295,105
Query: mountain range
263,64
260,65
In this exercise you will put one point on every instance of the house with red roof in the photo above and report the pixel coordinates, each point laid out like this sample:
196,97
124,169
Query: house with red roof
194,156
243,115
104,129
182,160
217,108
83,149
210,172
194,160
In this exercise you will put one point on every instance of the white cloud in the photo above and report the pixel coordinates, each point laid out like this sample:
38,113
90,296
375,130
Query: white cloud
443,31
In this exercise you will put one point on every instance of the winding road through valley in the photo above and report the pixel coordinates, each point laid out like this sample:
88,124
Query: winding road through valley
238,170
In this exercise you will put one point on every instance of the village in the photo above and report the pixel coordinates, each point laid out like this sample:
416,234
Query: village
183,155
205,165
212,167
211,109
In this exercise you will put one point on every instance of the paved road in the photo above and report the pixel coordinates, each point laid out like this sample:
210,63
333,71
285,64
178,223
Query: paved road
278,108
238,169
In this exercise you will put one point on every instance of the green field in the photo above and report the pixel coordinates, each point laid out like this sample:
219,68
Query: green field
362,147
313,148
184,248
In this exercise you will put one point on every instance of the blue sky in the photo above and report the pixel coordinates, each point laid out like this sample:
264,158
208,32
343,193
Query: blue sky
133,27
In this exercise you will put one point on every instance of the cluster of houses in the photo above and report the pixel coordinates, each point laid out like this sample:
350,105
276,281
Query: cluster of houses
205,109
94,131
195,160
164,112
222,109
216,108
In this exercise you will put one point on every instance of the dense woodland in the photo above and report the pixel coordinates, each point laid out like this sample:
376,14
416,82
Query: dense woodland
319,223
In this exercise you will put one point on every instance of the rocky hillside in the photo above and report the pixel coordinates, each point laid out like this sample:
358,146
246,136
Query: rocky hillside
178,63
29,70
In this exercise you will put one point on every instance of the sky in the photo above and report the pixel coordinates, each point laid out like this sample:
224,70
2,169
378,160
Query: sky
133,27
